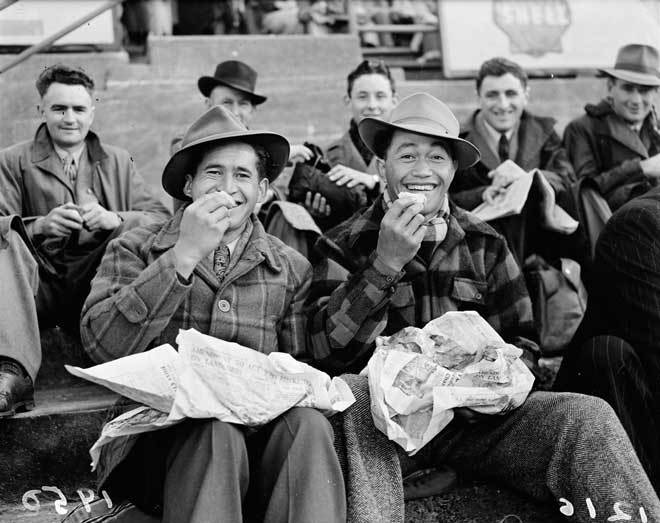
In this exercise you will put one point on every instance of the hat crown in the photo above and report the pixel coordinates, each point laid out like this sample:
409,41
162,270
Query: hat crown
423,110
215,122
638,58
236,73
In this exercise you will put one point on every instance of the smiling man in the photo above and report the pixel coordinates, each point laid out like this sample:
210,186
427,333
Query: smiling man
214,268
503,129
63,196
410,258
616,143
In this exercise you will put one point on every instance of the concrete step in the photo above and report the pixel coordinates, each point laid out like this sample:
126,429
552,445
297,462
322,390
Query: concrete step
49,445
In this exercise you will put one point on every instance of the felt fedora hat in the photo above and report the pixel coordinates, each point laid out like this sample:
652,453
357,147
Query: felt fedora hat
637,64
424,114
232,73
219,125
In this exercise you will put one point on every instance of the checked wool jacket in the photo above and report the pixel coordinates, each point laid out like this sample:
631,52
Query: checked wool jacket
354,298
137,300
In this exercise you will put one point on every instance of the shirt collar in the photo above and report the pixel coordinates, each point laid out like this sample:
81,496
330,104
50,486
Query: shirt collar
77,153
492,134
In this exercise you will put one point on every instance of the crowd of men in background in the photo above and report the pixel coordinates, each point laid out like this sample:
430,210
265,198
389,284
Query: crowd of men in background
87,245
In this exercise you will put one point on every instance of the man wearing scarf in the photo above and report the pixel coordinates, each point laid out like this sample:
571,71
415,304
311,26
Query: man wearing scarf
411,257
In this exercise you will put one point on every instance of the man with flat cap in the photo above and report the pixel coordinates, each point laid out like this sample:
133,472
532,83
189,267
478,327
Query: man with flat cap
412,256
213,267
616,143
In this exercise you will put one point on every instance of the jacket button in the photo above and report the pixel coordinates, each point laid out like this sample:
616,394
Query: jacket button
224,306
477,295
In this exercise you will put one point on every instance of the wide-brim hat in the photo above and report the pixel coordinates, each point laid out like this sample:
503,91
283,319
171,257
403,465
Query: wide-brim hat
637,64
235,74
215,126
424,114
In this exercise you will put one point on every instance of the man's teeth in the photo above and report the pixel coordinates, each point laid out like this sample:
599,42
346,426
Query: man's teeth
420,187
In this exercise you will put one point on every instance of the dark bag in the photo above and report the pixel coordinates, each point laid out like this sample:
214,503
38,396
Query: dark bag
559,300
310,176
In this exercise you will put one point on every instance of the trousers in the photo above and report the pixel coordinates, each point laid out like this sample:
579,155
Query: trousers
555,446
206,470
609,367
35,296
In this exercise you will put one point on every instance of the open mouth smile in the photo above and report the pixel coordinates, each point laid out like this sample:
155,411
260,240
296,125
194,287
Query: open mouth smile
419,187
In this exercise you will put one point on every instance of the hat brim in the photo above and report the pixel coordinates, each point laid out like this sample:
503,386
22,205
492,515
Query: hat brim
631,76
374,131
206,84
186,159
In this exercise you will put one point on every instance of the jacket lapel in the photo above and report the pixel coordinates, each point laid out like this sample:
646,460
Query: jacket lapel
356,157
531,137
46,159
471,134
625,136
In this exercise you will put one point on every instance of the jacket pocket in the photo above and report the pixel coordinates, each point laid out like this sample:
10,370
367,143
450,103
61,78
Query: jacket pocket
132,306
470,291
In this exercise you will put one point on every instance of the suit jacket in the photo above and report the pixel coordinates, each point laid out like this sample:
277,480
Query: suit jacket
539,147
624,298
32,182
602,147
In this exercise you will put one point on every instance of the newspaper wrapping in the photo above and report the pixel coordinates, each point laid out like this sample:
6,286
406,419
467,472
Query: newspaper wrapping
211,378
418,376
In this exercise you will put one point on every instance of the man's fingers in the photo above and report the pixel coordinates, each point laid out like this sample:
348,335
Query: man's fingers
308,199
316,203
67,223
212,201
70,213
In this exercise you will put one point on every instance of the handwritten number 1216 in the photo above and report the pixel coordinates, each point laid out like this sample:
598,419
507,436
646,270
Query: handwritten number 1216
567,509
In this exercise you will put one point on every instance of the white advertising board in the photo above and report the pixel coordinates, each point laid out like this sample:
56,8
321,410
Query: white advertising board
28,22
543,35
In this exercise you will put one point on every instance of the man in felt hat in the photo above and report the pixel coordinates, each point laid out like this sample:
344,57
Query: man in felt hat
616,143
233,86
213,267
63,196
414,255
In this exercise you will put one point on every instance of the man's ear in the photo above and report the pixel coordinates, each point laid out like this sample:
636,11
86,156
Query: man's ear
380,168
187,187
263,190
347,100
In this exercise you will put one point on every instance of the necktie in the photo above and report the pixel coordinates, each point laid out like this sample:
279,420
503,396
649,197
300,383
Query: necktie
503,148
70,169
220,261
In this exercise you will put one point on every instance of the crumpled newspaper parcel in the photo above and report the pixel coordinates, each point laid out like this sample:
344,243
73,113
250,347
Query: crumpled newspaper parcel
418,376
211,378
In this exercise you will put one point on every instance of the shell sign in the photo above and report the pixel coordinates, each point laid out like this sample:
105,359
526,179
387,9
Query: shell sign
533,27
543,36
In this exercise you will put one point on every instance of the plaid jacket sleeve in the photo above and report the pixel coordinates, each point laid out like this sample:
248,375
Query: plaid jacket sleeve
347,311
130,301
292,332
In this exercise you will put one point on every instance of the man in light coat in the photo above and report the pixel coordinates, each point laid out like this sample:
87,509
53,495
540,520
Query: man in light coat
63,196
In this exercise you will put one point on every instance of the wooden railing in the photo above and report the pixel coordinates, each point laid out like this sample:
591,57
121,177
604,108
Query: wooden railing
47,42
